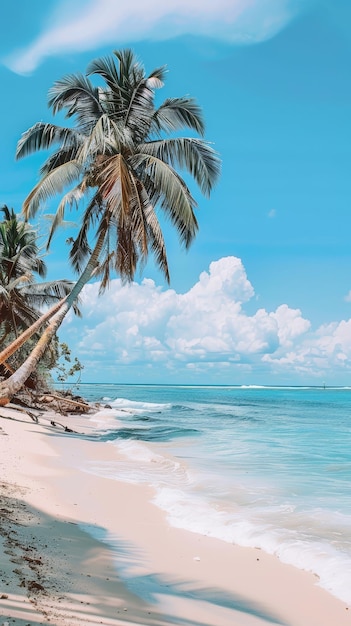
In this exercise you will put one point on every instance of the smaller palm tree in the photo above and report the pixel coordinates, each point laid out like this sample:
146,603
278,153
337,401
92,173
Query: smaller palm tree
21,296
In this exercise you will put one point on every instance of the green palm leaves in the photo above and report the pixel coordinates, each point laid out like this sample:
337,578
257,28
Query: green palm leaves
21,296
116,161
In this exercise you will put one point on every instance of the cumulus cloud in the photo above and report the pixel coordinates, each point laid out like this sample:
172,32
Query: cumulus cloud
325,352
291,325
206,332
100,22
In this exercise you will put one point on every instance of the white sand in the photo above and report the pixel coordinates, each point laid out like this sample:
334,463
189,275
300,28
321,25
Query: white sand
151,575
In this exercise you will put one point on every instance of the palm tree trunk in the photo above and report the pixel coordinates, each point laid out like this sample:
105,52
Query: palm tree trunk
17,343
15,382
10,386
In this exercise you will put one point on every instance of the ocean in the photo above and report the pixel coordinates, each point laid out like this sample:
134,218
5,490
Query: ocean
266,467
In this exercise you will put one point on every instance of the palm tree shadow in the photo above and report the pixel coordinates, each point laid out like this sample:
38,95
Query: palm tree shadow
34,539
152,588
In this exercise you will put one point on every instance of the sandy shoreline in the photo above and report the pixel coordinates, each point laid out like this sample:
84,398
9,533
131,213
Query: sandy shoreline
144,572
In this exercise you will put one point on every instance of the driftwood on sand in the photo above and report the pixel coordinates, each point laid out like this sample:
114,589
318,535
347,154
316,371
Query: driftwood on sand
84,406
47,406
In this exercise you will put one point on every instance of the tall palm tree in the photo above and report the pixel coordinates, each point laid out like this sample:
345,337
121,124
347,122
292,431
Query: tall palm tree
123,171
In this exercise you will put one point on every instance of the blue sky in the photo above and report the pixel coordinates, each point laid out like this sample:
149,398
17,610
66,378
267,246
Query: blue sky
263,296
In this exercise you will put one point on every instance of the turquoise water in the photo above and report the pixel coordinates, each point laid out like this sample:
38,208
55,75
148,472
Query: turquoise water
263,467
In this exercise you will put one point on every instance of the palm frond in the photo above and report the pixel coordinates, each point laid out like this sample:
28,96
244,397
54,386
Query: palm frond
66,152
54,182
41,137
107,227
177,113
149,230
103,271
191,154
22,315
106,68
166,188
47,293
78,95
139,202
80,250
70,199
25,304
138,115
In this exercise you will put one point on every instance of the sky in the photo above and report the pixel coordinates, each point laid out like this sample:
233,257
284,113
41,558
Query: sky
263,296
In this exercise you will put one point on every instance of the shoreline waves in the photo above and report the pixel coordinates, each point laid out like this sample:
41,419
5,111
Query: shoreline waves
266,467
114,557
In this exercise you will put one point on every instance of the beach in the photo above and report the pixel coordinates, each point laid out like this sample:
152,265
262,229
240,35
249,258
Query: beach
78,548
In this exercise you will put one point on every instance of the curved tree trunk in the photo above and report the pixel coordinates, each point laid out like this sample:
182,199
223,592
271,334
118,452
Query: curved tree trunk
17,343
15,382
10,386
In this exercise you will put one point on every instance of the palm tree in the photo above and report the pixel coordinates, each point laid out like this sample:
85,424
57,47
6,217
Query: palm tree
21,296
123,171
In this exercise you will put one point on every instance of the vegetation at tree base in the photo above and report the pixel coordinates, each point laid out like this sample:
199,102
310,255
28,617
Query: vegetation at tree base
121,171
65,367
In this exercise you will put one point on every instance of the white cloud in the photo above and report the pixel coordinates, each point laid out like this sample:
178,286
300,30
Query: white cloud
272,213
291,325
348,297
100,22
326,352
205,332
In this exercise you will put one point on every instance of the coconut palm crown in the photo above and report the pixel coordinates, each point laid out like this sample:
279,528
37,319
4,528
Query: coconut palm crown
116,159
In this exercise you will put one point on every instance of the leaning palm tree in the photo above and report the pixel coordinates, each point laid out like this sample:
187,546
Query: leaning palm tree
119,160
21,296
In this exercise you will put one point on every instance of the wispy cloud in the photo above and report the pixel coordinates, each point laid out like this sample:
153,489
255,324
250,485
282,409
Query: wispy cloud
101,22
